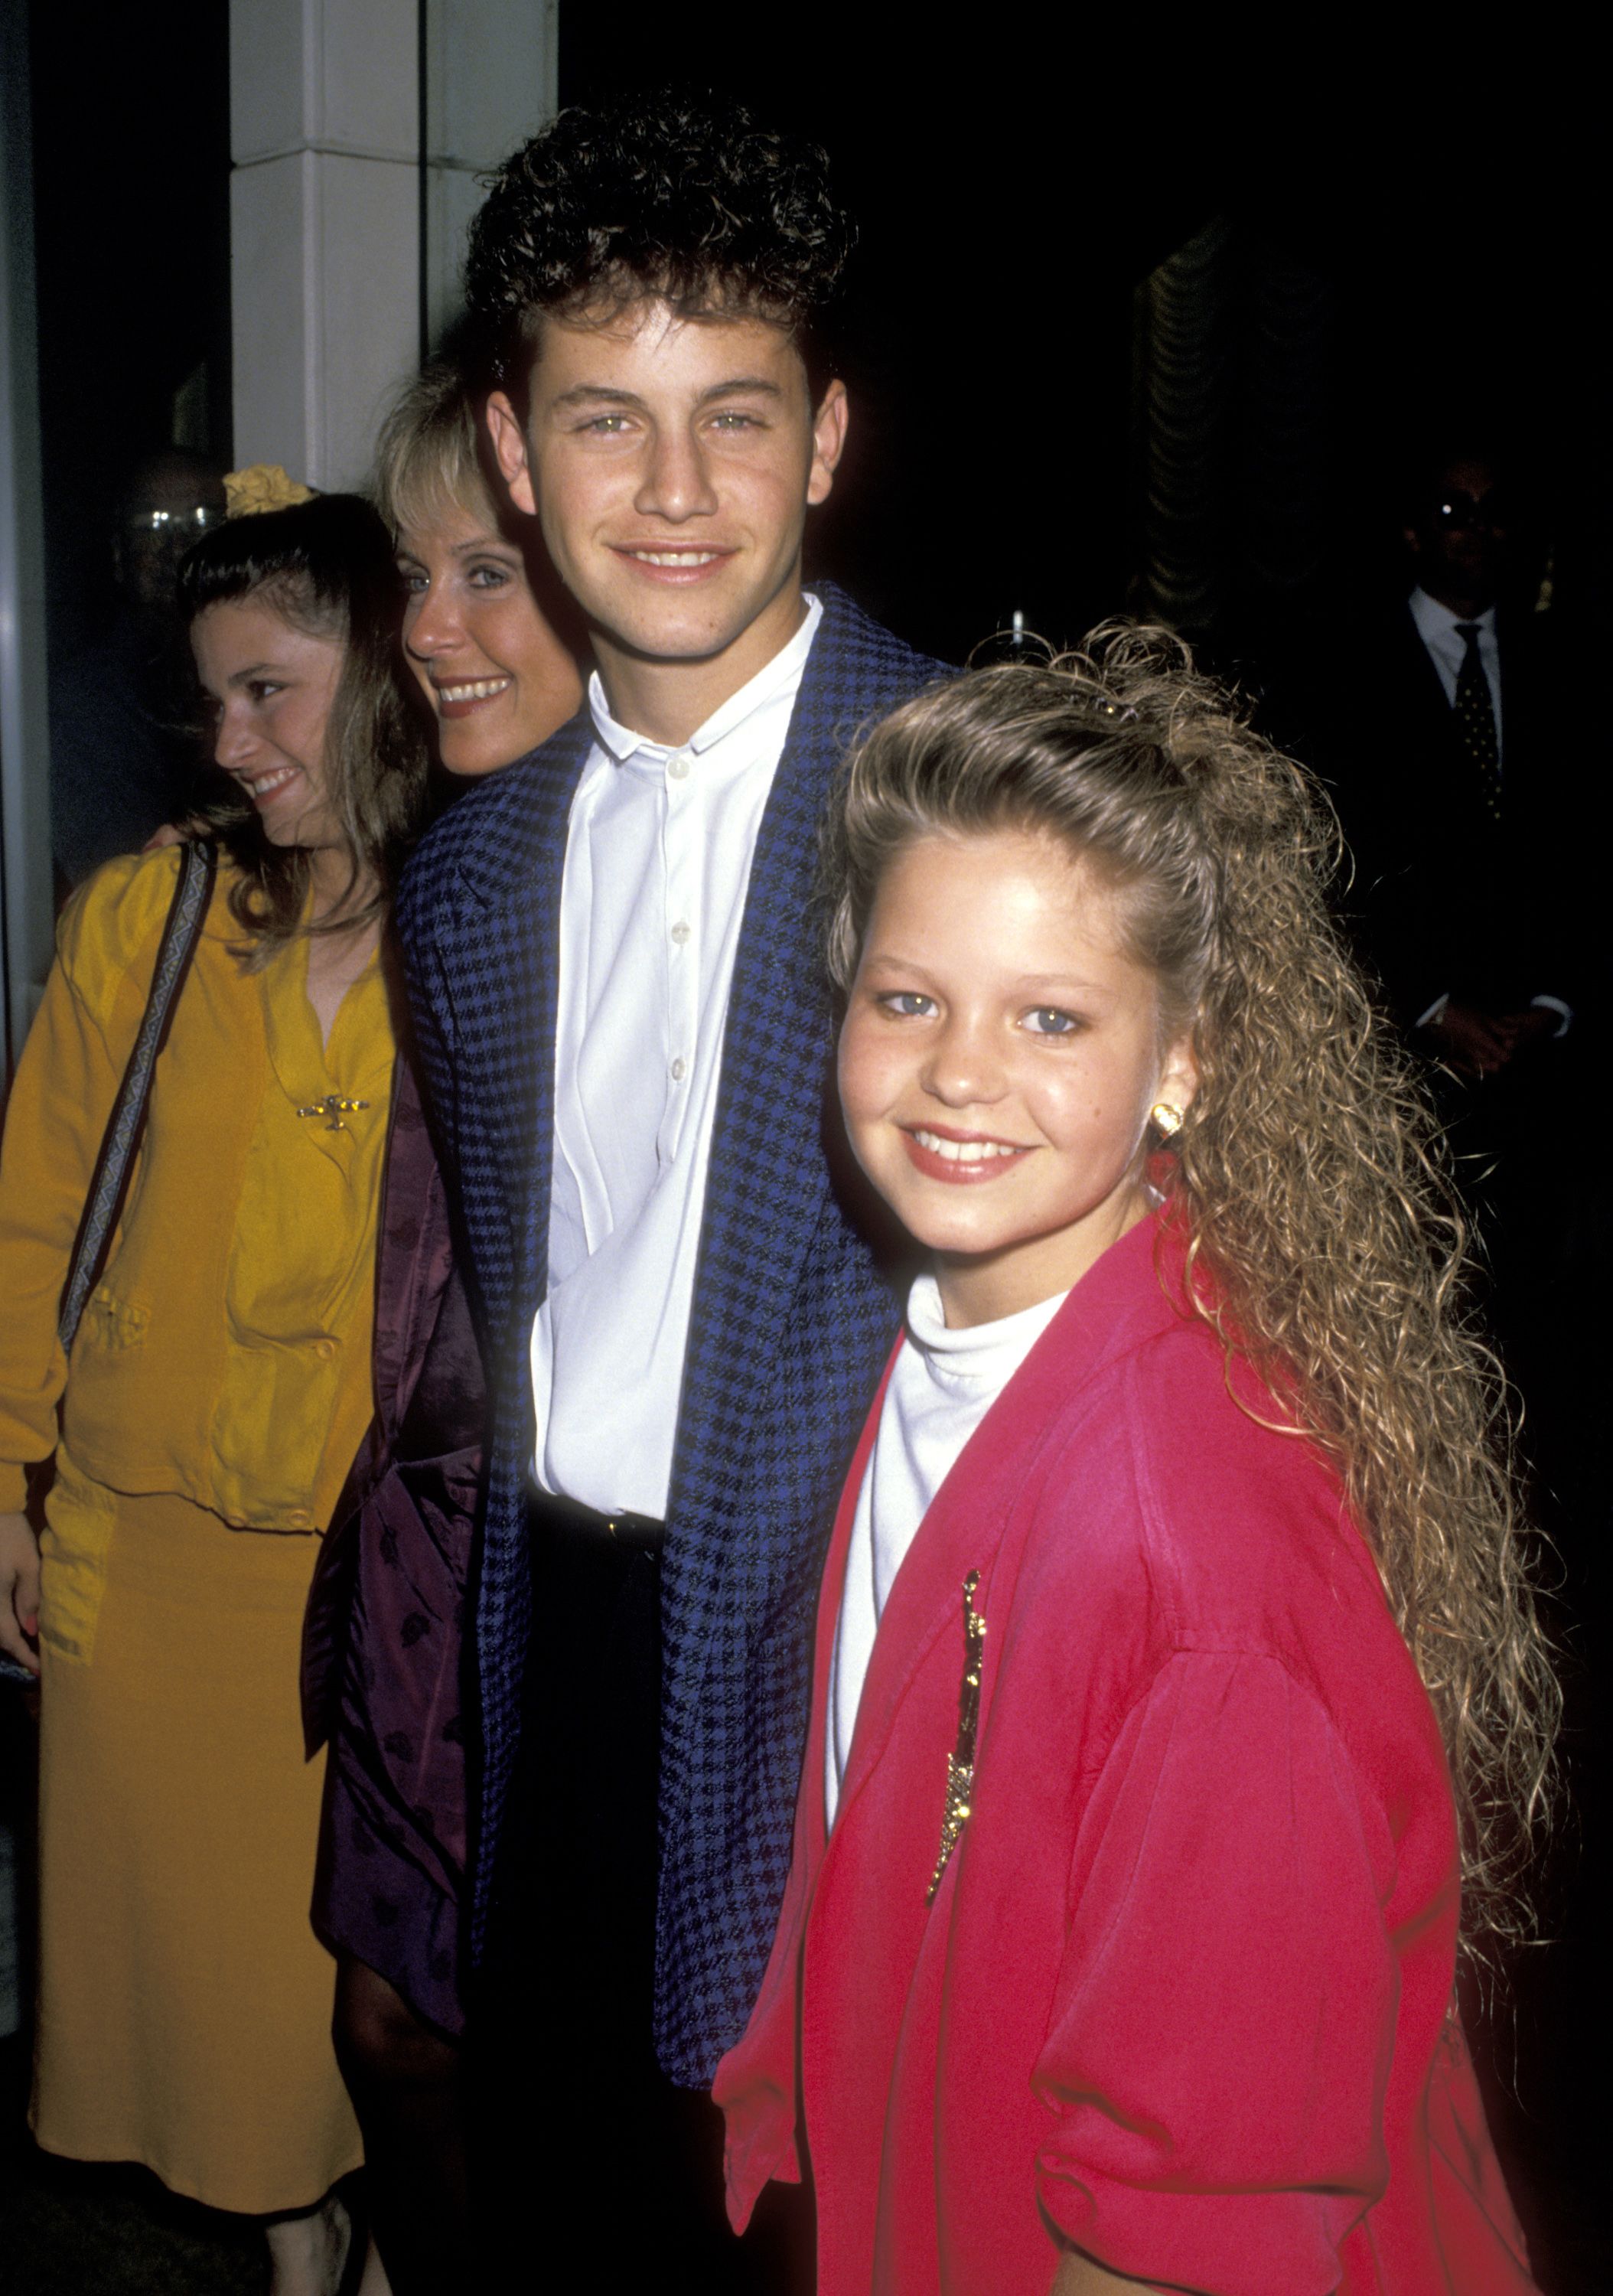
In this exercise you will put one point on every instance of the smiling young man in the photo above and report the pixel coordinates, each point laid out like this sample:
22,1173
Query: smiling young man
615,963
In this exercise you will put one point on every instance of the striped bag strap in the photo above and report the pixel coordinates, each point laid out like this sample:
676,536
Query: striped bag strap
198,866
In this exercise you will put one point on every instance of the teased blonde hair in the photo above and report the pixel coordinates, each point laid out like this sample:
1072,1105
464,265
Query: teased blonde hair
432,456
1310,1169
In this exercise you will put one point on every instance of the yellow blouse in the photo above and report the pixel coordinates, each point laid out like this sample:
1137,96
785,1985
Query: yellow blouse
224,1355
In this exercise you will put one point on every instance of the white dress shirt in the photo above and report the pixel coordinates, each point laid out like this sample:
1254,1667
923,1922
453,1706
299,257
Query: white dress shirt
1436,627
942,1385
658,862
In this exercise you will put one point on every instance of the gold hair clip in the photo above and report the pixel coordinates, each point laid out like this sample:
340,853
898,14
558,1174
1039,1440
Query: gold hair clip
261,487
961,1762
335,1107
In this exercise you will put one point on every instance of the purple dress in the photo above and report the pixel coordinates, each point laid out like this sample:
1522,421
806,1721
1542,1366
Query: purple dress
382,1678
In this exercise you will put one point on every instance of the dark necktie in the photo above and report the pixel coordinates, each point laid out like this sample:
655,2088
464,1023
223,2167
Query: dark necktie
1476,719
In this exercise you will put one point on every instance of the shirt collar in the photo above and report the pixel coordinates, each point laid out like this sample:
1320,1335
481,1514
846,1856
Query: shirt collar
972,1349
778,676
1434,621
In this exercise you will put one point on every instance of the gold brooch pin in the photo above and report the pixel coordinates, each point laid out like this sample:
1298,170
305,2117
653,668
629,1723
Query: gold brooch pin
960,1761
334,1107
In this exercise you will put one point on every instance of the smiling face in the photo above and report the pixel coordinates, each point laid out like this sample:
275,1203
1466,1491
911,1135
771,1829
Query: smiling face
1000,1055
497,678
272,684
671,464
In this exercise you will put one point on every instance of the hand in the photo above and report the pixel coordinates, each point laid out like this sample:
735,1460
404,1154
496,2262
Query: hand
1474,1042
1537,1024
177,833
20,1590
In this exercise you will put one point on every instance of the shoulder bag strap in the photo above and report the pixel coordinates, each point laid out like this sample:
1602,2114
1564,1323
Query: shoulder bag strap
198,866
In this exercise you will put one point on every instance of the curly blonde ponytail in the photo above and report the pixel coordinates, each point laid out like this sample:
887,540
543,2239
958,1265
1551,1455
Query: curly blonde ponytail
1309,1170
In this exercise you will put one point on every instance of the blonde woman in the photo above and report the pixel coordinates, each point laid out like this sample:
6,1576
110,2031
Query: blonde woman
491,649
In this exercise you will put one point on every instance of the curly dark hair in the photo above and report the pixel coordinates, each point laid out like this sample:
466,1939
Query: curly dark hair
669,194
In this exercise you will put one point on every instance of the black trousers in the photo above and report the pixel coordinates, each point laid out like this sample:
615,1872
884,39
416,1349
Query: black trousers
585,2158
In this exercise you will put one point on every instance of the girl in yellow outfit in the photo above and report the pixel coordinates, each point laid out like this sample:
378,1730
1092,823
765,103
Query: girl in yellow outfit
217,1388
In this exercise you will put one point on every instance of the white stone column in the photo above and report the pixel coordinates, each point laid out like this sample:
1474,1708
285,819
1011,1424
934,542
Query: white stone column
333,298
325,212
491,82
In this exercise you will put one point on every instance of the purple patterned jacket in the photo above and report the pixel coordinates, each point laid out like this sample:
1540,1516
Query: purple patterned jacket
383,1646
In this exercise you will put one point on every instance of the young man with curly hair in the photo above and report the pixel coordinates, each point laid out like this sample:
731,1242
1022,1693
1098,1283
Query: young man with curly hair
614,960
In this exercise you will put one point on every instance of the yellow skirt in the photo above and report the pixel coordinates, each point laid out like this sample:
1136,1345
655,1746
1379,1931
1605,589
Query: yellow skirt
185,2008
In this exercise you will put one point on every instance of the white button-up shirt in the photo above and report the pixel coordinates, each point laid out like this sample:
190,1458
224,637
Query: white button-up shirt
658,862
1436,627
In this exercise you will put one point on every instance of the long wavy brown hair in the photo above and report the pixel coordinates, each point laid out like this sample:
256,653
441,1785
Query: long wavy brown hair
1310,1169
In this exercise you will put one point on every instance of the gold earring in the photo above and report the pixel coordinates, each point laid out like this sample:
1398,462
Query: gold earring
1167,1119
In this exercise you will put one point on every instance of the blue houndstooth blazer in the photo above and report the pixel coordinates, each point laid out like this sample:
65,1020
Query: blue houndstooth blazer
790,1322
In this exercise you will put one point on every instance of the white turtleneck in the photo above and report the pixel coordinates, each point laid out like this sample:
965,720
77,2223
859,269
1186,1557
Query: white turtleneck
942,1385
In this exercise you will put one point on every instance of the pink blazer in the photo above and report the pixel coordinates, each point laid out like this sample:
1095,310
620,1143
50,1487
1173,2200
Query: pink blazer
1181,1998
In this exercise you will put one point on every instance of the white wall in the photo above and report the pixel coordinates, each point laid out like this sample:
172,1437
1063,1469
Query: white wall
325,222
332,300
491,82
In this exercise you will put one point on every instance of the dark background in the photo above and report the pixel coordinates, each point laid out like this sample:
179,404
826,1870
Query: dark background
132,233
1387,260
1015,184
1016,180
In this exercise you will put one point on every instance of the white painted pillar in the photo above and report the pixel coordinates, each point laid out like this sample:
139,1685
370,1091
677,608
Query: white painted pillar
333,300
324,223
492,77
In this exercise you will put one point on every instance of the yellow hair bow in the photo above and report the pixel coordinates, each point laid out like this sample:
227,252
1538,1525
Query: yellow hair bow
262,485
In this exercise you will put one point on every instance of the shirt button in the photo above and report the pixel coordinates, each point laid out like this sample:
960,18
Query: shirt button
297,1520
680,1070
324,1349
678,769
680,932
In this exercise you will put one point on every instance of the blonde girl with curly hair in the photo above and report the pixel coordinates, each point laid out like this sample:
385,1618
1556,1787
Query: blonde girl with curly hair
1178,1692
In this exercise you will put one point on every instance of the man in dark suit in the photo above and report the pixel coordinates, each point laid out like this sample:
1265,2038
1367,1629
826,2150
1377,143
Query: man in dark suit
1451,789
1445,727
613,958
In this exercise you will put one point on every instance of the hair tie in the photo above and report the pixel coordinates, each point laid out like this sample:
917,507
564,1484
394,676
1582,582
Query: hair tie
261,487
